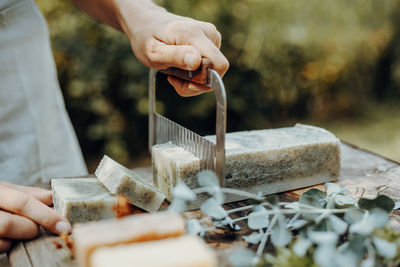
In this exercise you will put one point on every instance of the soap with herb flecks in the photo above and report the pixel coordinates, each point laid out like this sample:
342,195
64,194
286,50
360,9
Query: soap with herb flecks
82,199
258,161
123,181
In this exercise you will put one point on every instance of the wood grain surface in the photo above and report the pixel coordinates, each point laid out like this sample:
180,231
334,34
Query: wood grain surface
359,170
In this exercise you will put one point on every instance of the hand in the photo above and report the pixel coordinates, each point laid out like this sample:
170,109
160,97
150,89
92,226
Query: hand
22,209
160,40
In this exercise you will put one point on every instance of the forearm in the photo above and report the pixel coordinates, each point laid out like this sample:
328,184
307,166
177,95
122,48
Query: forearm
116,12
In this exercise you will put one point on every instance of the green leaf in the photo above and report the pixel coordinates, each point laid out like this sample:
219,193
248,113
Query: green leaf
378,217
322,238
207,178
254,238
301,246
182,191
243,257
314,198
280,235
272,199
258,219
194,227
212,208
353,215
344,201
385,248
337,224
381,201
332,188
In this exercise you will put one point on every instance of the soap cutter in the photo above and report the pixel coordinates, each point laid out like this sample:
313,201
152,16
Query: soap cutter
163,130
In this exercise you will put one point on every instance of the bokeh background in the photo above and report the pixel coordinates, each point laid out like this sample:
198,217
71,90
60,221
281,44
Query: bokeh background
334,64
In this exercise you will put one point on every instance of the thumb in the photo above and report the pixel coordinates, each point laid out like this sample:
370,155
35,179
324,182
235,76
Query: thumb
180,56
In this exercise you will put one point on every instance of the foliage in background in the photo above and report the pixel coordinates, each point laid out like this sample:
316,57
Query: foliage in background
289,60
324,228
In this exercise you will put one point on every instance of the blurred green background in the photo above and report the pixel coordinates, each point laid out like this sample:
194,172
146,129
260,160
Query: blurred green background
335,64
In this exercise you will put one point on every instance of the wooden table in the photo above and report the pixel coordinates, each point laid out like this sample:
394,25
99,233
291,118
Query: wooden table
360,169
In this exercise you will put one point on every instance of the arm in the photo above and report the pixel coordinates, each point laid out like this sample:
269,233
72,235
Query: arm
22,209
161,39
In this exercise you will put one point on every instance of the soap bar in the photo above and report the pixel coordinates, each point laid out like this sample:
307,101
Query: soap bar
266,161
184,251
123,181
82,199
131,229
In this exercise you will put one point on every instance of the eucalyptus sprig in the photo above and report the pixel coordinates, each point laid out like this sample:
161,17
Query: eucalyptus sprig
324,228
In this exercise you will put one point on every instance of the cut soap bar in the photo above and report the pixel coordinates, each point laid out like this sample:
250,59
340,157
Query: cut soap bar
267,161
82,199
184,251
131,229
121,180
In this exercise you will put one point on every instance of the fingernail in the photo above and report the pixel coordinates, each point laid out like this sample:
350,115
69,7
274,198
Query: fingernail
63,227
190,60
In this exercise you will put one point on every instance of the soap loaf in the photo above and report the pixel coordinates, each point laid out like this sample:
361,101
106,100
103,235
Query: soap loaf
184,251
82,199
123,181
266,161
131,229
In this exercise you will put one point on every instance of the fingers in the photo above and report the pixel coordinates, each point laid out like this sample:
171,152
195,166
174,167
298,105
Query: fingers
163,56
40,194
186,89
5,245
209,50
17,227
27,206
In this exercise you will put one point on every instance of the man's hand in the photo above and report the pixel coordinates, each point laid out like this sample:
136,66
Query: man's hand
160,39
22,209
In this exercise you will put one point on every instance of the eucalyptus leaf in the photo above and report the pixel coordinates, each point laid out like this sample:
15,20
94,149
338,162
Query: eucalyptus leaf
258,219
323,237
207,178
243,257
178,205
353,215
254,238
385,248
280,235
368,262
301,246
194,227
396,205
378,217
271,199
212,208
337,224
324,255
314,198
344,201
381,201
226,222
362,227
182,191
332,188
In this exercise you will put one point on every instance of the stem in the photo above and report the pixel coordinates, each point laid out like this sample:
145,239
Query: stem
228,191
261,247
289,211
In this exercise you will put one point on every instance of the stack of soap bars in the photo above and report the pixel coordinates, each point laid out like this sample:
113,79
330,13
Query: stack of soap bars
259,161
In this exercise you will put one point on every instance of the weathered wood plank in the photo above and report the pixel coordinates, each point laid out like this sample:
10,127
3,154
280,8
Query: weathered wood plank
18,257
49,251
4,260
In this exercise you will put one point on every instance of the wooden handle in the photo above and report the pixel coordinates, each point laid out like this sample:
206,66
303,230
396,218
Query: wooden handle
197,76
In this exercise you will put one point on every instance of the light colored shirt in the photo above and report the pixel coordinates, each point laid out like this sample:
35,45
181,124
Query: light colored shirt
37,140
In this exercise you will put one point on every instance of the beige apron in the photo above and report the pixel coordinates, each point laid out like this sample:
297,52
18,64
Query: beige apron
37,141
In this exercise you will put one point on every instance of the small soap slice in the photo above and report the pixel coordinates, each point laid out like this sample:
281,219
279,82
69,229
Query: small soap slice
266,161
123,181
131,229
184,251
82,199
